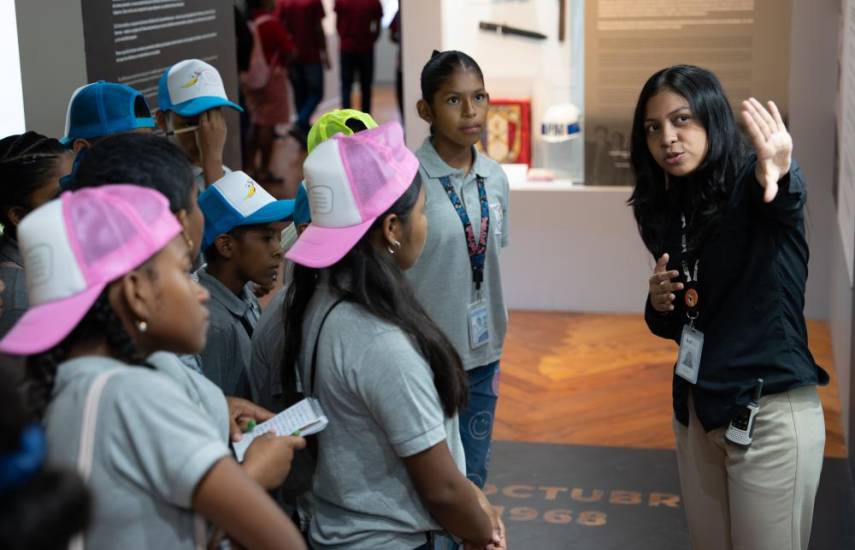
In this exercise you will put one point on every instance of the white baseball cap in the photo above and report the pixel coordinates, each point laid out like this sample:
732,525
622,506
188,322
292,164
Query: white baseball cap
191,87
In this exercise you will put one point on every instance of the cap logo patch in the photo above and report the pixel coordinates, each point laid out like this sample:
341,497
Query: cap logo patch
250,189
198,76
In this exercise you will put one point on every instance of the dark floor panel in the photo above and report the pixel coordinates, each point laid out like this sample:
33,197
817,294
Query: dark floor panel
581,498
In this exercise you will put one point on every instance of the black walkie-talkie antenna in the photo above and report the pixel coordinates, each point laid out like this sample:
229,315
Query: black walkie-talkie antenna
758,390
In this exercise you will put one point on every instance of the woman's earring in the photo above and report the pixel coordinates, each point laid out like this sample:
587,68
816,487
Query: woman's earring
187,240
397,246
142,326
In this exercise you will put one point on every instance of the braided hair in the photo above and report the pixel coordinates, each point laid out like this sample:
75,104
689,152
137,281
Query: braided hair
99,322
27,162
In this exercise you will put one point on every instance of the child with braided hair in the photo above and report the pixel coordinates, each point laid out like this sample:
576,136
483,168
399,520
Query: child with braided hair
30,167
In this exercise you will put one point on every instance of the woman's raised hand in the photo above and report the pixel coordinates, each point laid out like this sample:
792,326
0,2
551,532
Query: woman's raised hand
662,287
772,143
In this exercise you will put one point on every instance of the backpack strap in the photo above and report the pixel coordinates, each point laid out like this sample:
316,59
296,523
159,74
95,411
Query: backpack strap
88,431
313,368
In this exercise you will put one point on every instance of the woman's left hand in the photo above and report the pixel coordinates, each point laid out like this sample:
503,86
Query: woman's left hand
772,143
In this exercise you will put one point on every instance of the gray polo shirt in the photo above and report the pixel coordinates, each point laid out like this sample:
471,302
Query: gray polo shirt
14,293
209,399
153,447
268,346
379,396
443,276
225,359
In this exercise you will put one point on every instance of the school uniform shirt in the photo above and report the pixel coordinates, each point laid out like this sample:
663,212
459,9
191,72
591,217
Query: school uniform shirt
13,296
751,299
203,393
301,18
265,376
378,393
225,359
152,447
443,275
358,24
268,347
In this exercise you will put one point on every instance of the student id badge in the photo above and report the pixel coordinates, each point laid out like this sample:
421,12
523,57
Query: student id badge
479,331
689,360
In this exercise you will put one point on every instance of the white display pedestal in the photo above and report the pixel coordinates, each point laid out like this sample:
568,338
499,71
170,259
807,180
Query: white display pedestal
574,248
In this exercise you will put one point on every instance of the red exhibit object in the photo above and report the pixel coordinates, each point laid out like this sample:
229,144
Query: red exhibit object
507,133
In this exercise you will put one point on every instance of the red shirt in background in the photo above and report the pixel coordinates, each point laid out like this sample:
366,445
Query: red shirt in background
275,38
358,24
302,19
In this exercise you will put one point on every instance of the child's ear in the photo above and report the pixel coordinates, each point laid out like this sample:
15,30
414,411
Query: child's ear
225,245
79,144
136,295
160,117
16,214
424,111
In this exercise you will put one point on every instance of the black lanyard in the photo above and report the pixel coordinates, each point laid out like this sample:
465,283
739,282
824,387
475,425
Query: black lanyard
477,249
691,297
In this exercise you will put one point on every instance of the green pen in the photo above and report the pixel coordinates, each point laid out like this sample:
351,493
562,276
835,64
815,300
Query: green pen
250,425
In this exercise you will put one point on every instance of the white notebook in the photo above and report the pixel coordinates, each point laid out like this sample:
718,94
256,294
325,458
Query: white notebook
304,418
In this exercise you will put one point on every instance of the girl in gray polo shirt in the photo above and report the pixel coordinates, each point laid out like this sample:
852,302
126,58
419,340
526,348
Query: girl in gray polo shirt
457,279
390,462
109,284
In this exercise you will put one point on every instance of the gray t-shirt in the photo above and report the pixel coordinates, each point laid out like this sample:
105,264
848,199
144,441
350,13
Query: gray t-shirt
443,276
379,396
225,359
152,447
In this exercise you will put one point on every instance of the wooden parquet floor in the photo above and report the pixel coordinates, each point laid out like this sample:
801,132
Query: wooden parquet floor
592,379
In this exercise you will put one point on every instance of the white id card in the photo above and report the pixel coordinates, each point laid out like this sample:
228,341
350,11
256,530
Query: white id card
479,332
689,360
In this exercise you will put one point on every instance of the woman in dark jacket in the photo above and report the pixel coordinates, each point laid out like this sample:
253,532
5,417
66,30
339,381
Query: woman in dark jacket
725,223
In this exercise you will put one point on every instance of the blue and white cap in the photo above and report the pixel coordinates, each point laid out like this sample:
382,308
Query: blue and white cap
103,109
191,87
236,200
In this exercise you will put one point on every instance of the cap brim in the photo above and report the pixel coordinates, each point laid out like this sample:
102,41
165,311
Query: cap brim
275,211
46,325
199,105
321,247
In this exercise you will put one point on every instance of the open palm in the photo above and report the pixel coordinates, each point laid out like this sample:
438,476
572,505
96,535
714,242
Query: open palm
772,143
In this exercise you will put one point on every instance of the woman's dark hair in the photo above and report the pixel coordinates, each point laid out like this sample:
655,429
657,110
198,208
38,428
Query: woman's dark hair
48,509
368,278
100,322
142,159
440,67
27,161
703,194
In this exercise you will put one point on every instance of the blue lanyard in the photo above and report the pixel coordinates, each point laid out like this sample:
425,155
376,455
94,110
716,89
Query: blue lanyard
477,249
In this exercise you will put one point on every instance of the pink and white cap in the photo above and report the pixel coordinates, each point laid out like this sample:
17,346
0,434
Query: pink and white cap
351,181
73,247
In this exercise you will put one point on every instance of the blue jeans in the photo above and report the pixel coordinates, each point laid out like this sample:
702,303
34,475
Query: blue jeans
476,421
307,79
476,430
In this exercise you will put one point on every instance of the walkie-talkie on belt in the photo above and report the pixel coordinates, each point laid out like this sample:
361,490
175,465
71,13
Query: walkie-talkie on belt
741,428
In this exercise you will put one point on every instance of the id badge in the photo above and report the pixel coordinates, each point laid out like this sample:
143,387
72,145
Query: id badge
689,360
479,331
